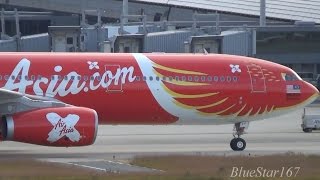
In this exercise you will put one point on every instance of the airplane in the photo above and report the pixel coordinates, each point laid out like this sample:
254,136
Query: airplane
58,99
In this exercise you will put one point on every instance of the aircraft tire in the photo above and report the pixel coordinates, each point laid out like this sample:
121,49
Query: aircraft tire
238,144
232,143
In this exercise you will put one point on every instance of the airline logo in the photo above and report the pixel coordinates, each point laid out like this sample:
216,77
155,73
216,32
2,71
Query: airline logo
293,89
93,65
63,127
70,85
235,68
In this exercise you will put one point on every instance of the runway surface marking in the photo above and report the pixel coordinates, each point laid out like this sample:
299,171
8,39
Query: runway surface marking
106,166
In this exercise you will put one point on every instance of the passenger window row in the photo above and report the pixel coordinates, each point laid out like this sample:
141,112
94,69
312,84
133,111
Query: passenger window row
190,78
138,78
53,77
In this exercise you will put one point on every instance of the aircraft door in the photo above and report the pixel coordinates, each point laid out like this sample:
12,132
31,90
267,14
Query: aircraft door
258,81
115,83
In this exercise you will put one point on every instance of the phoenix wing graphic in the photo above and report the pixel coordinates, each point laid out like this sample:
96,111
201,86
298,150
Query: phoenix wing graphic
188,95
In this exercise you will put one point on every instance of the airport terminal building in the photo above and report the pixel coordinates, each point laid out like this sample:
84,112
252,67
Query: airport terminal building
286,31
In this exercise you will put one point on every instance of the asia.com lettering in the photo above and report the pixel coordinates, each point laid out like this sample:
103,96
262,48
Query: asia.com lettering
261,172
61,88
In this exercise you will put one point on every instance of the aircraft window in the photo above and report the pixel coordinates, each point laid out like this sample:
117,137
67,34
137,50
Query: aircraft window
183,78
99,78
52,77
189,78
164,78
13,77
157,78
85,78
6,77
177,78
235,78
216,79
91,78
290,77
222,78
144,78
72,78
297,76
33,77
26,78
39,77
209,79
150,78
229,79
79,78
170,78
287,77
65,78
196,78
137,78
203,78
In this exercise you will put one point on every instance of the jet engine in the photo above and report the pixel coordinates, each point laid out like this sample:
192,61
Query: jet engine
62,126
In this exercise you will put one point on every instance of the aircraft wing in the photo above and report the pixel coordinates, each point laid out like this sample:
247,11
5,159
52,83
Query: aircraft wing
12,102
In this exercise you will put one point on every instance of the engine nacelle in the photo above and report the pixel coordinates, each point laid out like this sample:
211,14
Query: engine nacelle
63,126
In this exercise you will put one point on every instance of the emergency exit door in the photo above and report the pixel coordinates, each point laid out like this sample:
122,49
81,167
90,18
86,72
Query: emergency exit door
258,81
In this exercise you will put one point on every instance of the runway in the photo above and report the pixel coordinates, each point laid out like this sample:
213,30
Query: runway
278,135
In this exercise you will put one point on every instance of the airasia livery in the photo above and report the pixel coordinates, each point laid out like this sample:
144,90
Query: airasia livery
58,99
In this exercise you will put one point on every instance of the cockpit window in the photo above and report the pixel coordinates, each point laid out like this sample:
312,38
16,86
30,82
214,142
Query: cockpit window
290,77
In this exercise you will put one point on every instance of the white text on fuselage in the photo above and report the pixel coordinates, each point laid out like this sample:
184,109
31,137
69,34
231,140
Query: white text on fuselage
65,86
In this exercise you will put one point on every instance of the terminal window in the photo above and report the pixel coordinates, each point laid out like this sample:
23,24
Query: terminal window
69,40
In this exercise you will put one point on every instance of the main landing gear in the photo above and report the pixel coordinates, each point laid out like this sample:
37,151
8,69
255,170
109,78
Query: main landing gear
237,143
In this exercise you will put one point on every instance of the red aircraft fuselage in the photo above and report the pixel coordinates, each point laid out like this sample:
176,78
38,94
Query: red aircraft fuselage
159,88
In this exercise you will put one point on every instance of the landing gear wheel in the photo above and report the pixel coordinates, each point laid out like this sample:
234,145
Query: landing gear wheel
232,143
238,144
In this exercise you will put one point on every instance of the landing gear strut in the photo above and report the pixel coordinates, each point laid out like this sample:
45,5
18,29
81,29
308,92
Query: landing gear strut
237,143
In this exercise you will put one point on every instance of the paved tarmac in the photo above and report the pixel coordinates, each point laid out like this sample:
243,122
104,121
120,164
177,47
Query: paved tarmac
119,143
